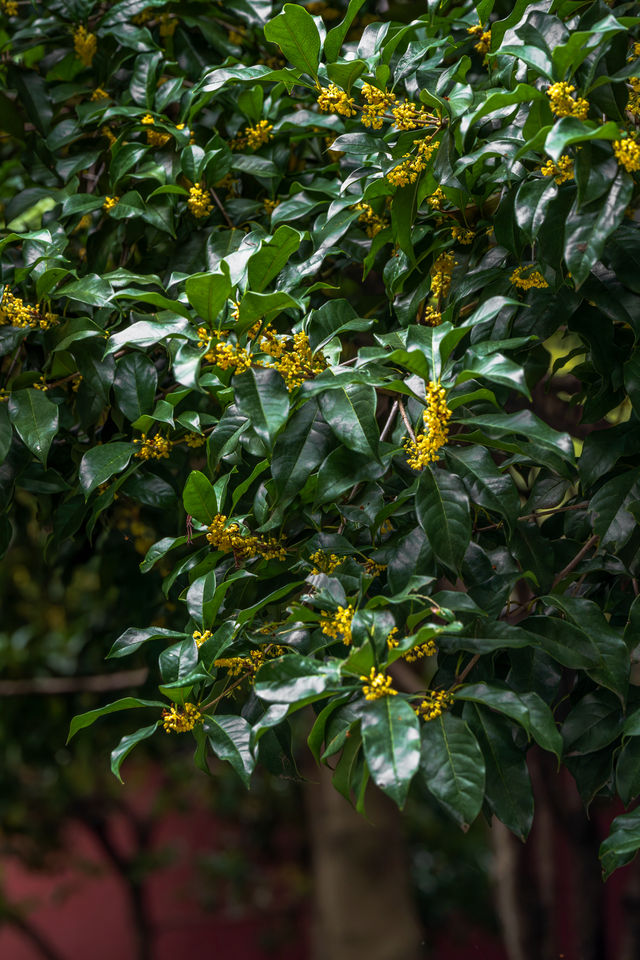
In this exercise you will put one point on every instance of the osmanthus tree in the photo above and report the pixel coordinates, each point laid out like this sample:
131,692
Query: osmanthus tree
325,294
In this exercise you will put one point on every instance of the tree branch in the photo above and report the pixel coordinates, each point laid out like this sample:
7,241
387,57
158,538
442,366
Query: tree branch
48,686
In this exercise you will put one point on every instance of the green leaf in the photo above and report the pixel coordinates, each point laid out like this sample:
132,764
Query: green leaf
35,419
622,844
296,34
83,720
508,786
134,637
569,130
485,484
594,722
208,293
391,740
527,709
134,385
272,257
628,771
350,413
587,230
229,737
442,508
100,463
262,396
293,677
453,767
201,600
127,744
335,36
299,450
199,498
531,427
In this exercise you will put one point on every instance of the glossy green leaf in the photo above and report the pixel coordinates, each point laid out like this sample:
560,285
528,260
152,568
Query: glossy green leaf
391,741
229,737
127,744
262,397
442,507
101,463
199,497
297,36
83,720
453,767
35,419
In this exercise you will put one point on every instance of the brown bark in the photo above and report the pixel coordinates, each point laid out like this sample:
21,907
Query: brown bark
362,896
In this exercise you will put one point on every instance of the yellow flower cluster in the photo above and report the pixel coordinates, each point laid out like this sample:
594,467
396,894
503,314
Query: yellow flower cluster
332,99
560,171
201,638
376,103
432,317
110,203
325,562
484,38
4,395
16,313
99,94
258,134
427,649
462,235
194,440
106,132
434,704
374,569
338,625
199,201
409,170
85,45
563,104
441,272
392,638
251,663
373,223
406,116
9,7
270,205
293,356
436,199
533,280
424,449
152,448
627,153
229,356
231,539
377,685
180,719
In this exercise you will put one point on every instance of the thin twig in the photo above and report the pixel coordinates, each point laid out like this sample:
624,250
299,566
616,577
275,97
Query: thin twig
592,541
541,514
403,414
386,430
221,208
469,667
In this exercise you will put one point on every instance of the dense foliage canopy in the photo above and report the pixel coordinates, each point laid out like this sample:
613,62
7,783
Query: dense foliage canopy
349,307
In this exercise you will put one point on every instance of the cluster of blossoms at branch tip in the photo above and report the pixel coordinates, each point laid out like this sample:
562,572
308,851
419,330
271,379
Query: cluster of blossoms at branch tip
409,170
563,104
4,395
427,649
377,685
462,234
441,272
106,132
155,138
293,357
432,317
270,205
201,637
259,134
152,448
560,171
15,312
181,719
229,538
436,199
199,201
9,7
373,223
251,663
434,704
229,356
483,44
99,94
332,99
194,440
338,625
325,562
85,45
627,153
436,416
376,103
373,569
406,116
533,280
392,638
109,203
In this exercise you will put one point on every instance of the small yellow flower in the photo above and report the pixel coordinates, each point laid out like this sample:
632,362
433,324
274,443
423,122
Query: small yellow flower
434,704
325,562
259,134
409,170
199,202
432,317
332,99
406,116
201,638
152,448
338,625
373,223
377,685
229,356
376,103
441,273
627,153
99,94
560,171
85,45
436,416
563,104
9,7
533,280
462,235
110,203
194,440
180,719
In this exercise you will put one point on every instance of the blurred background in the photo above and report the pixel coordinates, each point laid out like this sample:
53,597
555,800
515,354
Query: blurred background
175,860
